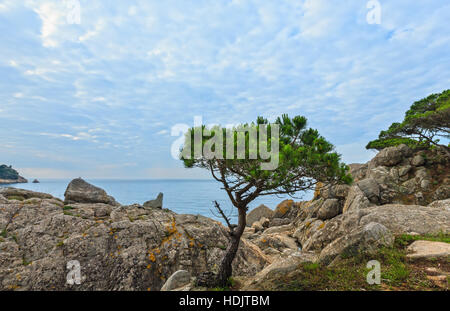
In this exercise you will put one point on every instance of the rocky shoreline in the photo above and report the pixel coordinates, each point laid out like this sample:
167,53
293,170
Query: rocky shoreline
146,247
20,180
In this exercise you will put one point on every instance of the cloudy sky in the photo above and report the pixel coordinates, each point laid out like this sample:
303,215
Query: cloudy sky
98,98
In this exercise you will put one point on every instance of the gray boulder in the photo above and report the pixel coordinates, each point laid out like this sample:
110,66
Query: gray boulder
257,213
370,188
390,156
156,203
418,160
178,279
80,191
329,209
356,199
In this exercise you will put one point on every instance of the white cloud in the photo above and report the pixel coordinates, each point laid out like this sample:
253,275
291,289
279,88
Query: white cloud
53,16
162,132
109,87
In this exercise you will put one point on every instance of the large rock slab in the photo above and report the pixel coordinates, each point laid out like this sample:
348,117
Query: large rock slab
428,249
22,193
408,218
80,191
366,240
118,248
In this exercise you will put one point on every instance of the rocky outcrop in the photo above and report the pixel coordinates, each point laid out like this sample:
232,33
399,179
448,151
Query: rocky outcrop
156,203
117,247
257,213
398,219
80,191
35,181
8,175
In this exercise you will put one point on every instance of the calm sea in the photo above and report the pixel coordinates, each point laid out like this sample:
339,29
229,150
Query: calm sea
180,196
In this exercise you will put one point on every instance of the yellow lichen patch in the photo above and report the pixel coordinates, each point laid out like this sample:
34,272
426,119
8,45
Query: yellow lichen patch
149,266
152,257
84,234
264,240
191,244
13,287
322,225
172,232
308,224
148,289
171,229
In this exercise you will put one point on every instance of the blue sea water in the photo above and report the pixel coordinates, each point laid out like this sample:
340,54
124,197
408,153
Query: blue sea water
181,196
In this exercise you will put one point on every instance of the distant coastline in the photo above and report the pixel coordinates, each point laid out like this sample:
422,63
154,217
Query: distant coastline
9,176
20,180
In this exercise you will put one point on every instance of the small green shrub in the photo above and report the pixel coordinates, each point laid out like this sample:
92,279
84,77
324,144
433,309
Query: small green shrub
16,197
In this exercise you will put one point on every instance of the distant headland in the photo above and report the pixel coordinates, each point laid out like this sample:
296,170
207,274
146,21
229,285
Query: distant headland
8,175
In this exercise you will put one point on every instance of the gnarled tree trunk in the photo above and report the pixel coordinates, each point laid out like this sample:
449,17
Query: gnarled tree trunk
226,269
